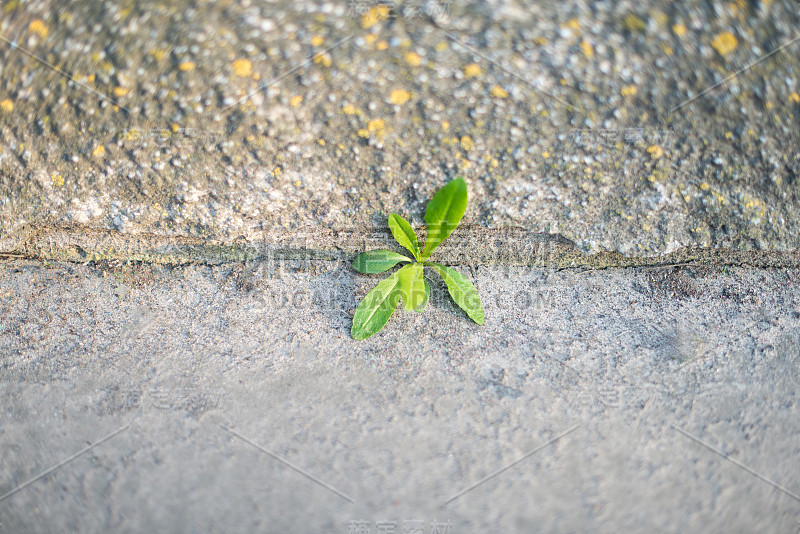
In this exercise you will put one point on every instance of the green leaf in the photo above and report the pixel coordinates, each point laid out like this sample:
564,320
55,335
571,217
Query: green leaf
404,234
377,261
443,213
412,286
375,309
421,307
463,292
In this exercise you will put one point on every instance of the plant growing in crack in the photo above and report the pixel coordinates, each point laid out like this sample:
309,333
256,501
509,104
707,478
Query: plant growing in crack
442,215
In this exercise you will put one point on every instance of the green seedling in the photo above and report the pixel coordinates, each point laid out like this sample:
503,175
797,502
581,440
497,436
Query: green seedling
408,284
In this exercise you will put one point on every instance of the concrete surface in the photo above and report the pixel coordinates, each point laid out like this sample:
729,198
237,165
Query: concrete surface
596,122
408,419
183,185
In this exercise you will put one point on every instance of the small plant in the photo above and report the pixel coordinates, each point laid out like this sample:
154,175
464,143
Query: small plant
442,215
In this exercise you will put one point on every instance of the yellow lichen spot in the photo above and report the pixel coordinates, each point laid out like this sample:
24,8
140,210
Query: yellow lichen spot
472,70
11,6
725,43
157,54
704,186
323,59
588,49
399,97
494,163
7,105
363,132
441,46
39,28
57,179
728,135
545,154
99,151
186,66
413,59
498,92
90,78
298,183
317,40
794,98
134,134
563,81
769,105
376,125
679,29
242,67
296,100
667,50
467,143
174,127
445,126
655,151
634,23
572,24
374,15
321,142
541,41
349,109
465,163
754,206
276,171
629,90
382,45
370,38
121,91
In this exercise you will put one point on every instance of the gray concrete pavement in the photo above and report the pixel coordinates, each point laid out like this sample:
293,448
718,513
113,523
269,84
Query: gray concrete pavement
245,406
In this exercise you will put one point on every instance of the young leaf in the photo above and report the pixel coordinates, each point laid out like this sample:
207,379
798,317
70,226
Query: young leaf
443,213
404,234
375,309
463,292
412,286
377,261
421,307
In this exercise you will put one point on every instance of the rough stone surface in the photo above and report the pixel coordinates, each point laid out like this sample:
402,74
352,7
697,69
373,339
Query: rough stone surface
207,364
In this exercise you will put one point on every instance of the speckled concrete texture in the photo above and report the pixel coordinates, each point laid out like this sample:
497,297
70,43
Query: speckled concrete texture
615,125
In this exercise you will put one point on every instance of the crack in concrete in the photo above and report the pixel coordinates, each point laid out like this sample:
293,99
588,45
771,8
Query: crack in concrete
474,245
